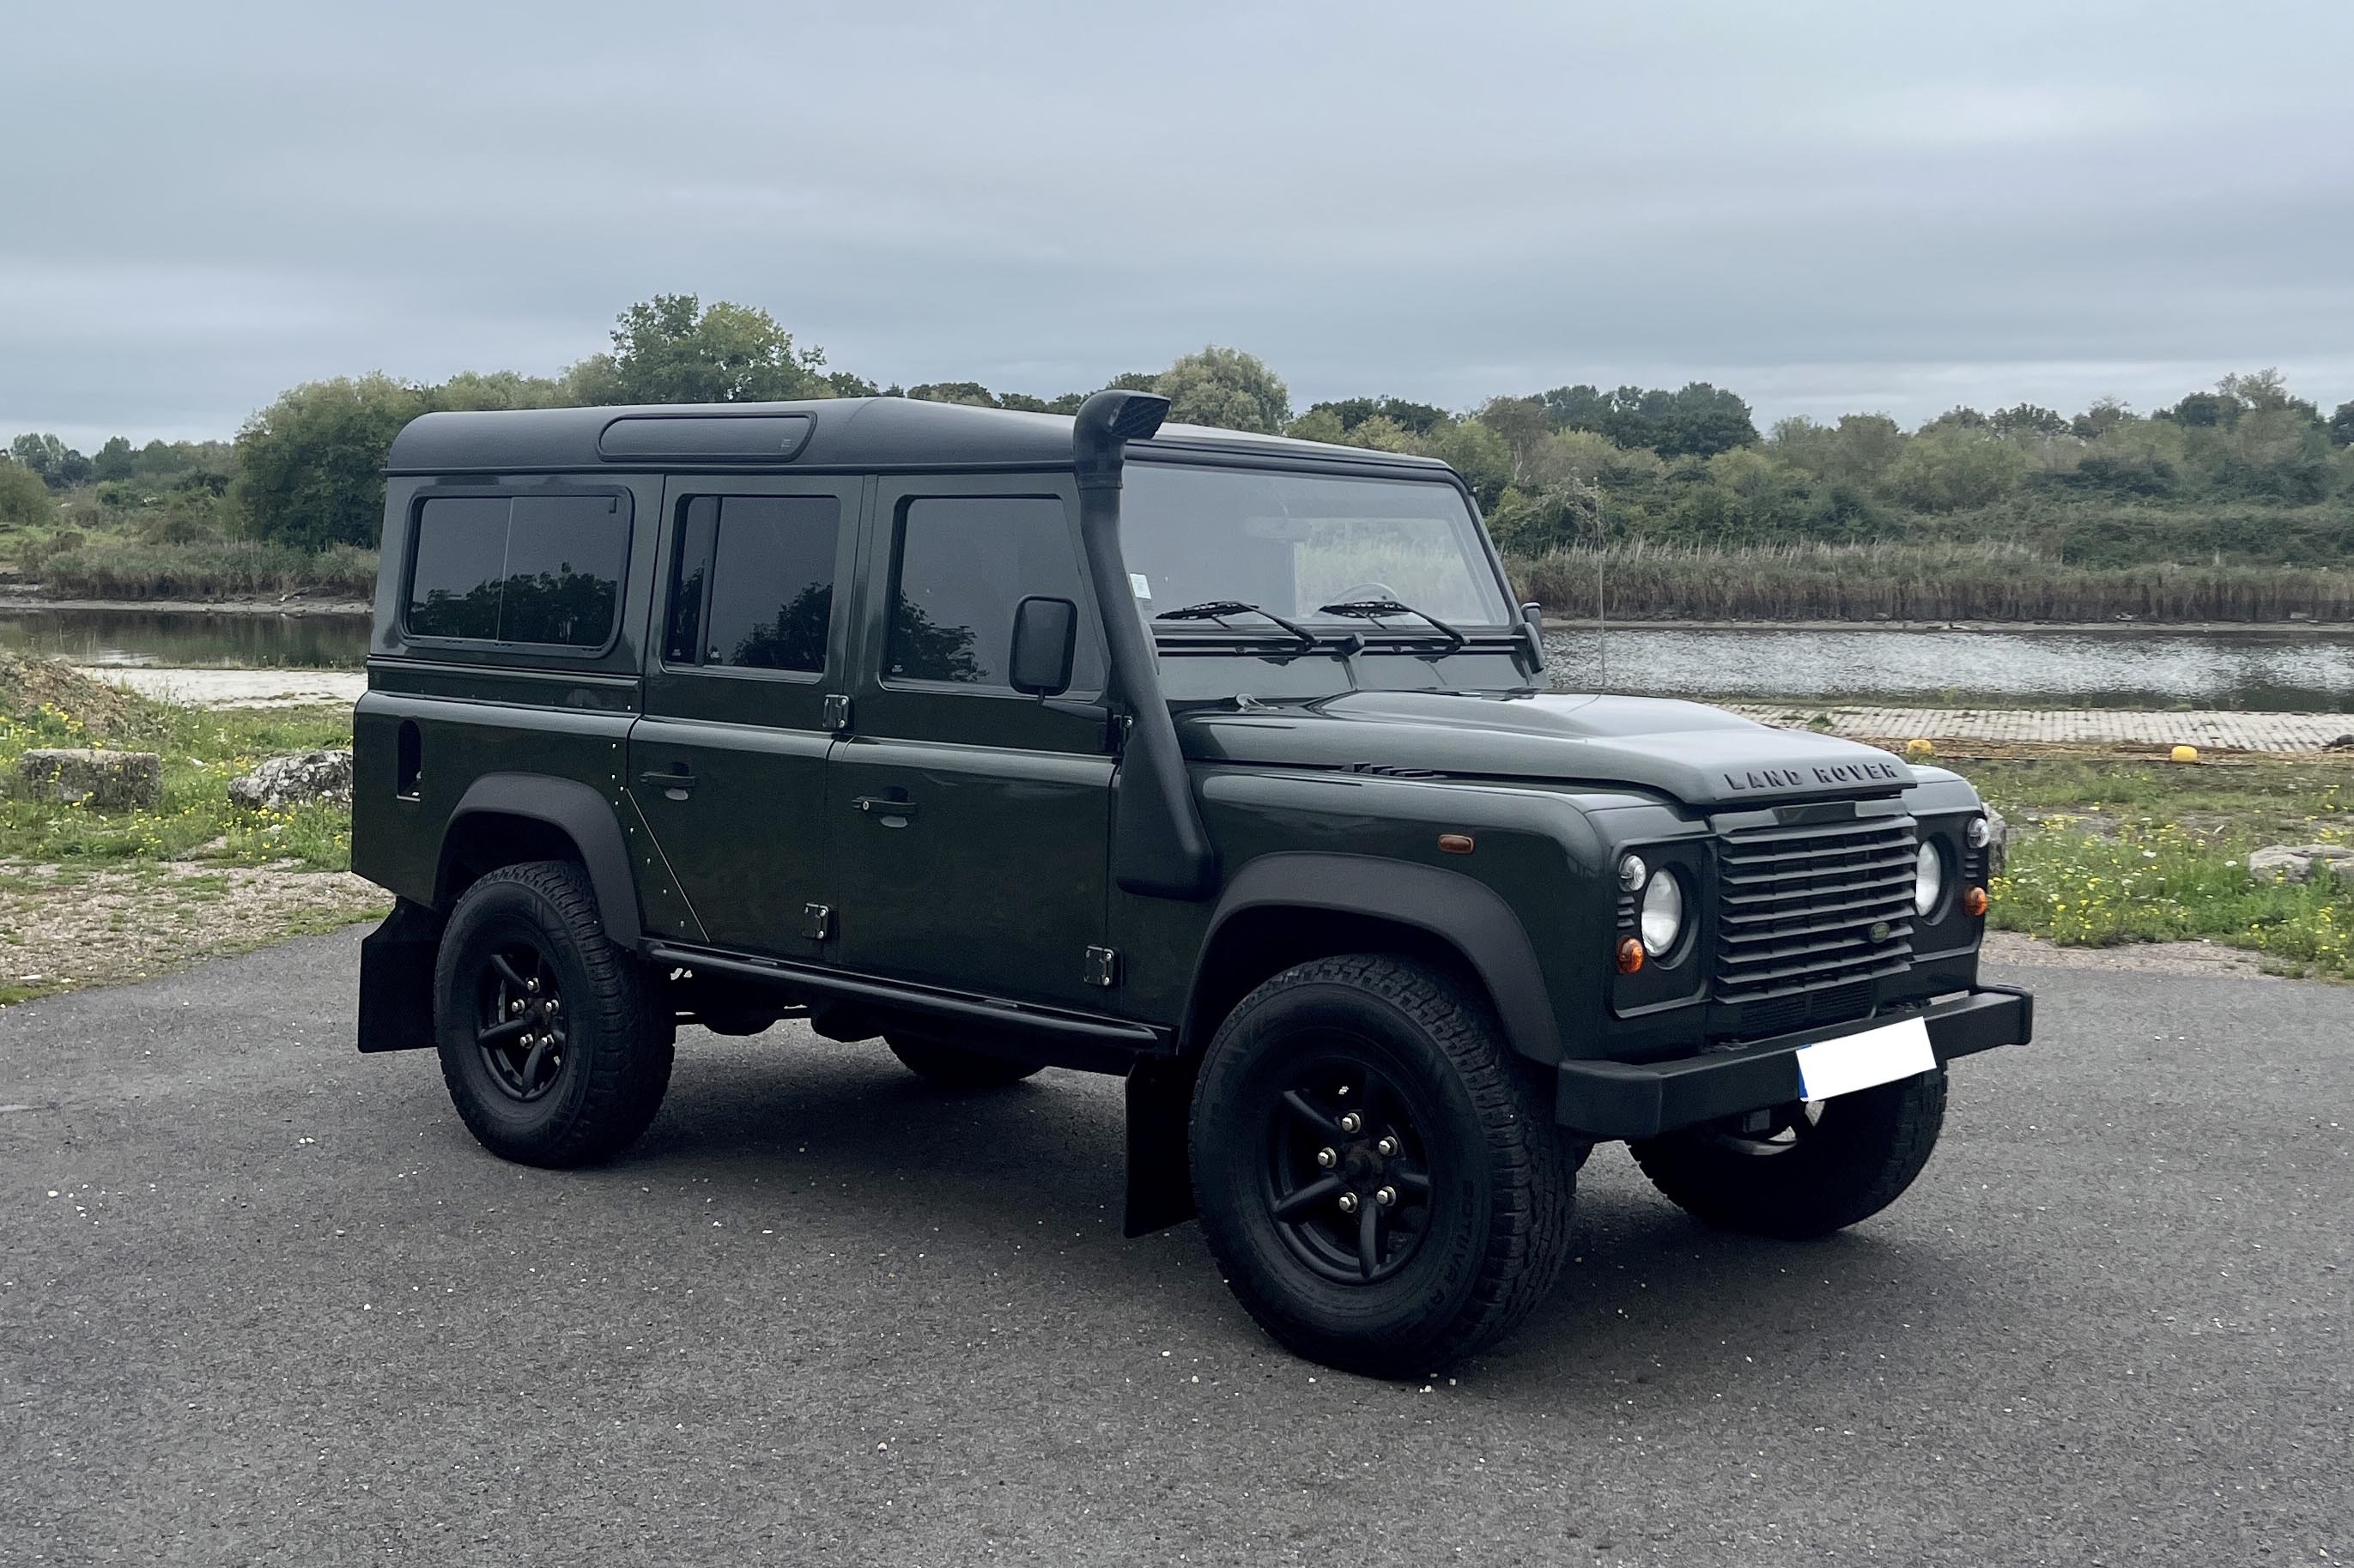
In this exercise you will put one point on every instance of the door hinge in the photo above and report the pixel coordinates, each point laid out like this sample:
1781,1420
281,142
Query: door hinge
1102,966
817,921
837,712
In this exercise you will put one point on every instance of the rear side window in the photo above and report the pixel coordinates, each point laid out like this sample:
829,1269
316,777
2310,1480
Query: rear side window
542,569
965,562
753,584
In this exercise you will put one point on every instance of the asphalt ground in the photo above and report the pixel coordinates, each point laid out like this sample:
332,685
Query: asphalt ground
263,1300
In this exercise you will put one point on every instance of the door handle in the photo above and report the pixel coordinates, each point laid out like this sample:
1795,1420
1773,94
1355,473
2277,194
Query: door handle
879,806
677,786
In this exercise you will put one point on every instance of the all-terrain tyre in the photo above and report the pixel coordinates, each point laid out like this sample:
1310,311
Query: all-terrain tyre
1825,1167
1379,1177
956,1067
555,1042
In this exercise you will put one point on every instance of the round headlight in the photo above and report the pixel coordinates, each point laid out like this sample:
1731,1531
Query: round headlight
1662,914
1928,880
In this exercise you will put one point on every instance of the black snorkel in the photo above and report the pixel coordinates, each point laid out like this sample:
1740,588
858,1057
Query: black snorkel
1159,846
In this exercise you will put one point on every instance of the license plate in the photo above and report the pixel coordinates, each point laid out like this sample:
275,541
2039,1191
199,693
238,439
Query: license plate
1855,1061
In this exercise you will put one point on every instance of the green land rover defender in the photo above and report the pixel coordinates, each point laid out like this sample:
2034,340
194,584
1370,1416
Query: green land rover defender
1221,762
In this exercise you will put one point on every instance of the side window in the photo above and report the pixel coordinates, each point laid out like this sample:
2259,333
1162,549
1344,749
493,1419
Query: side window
753,585
964,563
543,570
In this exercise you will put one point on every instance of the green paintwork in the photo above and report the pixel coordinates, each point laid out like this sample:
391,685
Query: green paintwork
996,881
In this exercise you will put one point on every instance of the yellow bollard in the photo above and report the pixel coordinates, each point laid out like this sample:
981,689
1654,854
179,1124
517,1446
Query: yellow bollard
2185,753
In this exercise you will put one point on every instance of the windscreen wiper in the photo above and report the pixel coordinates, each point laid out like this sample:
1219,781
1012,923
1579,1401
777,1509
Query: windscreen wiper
1375,610
1217,609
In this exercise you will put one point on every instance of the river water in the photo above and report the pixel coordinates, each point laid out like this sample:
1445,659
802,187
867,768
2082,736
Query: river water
2285,671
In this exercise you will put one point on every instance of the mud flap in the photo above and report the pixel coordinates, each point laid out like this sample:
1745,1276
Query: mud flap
1160,1174
396,980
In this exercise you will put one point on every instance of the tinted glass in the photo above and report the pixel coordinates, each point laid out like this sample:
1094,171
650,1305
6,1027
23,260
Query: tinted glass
690,574
534,568
772,581
565,555
457,567
965,562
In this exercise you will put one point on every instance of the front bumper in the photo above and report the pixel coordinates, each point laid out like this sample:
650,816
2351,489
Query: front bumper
1644,1099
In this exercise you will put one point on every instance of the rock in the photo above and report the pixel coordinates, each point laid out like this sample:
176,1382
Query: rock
103,780
295,780
2301,863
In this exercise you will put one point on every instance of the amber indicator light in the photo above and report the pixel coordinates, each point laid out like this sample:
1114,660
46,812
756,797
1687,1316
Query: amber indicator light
1454,843
1630,955
1973,902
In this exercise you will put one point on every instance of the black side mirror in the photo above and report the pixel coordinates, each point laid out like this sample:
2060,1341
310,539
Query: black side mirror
1045,639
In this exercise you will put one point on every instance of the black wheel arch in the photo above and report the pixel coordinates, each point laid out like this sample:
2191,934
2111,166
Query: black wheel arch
1287,908
506,818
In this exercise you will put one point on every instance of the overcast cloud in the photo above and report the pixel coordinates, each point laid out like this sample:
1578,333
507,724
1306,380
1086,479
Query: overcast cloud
1826,207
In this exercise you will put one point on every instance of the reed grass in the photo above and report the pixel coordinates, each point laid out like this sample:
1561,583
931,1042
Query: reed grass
1982,581
214,568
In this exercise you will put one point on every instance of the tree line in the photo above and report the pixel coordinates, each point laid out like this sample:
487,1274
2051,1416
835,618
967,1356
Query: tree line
2248,472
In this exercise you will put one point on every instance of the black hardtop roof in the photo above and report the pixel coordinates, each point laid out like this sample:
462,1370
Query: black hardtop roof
881,433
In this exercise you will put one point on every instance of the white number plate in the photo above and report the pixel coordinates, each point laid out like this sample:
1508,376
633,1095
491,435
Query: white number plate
1880,1055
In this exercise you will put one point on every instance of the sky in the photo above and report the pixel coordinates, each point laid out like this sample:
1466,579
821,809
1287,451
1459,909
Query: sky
1827,207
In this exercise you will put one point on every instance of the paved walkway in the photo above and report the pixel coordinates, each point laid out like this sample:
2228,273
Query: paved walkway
2217,728
2213,728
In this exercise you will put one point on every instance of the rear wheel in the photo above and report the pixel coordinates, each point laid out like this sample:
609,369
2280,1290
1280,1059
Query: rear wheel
552,1043
1812,1168
956,1066
1378,1177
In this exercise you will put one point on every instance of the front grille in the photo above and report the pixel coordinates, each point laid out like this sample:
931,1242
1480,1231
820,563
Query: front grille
1797,906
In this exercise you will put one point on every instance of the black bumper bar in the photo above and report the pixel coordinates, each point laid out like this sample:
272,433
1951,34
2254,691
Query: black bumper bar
1644,1099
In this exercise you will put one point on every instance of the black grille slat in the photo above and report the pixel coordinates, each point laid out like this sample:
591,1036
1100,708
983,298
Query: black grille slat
1795,911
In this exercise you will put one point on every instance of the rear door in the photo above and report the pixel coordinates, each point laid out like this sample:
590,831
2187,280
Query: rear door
728,764
972,823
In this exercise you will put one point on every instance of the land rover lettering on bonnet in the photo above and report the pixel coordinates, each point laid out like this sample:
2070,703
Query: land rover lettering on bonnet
1222,763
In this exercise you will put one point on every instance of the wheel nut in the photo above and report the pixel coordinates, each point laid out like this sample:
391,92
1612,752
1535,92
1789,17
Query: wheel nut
1348,1202
515,1006
1386,1196
1326,1158
1350,1121
1386,1147
532,985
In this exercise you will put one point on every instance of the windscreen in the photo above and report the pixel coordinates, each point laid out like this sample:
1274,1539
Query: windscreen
1294,542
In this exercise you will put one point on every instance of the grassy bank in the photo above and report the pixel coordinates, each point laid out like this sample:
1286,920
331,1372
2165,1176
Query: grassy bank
2106,852
88,897
1915,582
111,567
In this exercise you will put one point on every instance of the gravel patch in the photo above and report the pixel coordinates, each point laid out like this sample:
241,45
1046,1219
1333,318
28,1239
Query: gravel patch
65,929
2143,957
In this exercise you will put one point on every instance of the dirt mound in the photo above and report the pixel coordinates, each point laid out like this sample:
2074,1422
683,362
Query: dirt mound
26,683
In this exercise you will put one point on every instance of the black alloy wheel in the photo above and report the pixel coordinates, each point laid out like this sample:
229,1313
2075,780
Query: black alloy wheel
519,1022
1377,1174
1348,1171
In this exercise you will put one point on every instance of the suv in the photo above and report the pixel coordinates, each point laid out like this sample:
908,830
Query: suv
1221,762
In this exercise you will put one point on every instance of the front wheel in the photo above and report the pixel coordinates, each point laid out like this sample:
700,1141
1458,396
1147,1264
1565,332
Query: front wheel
1811,1168
1380,1180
